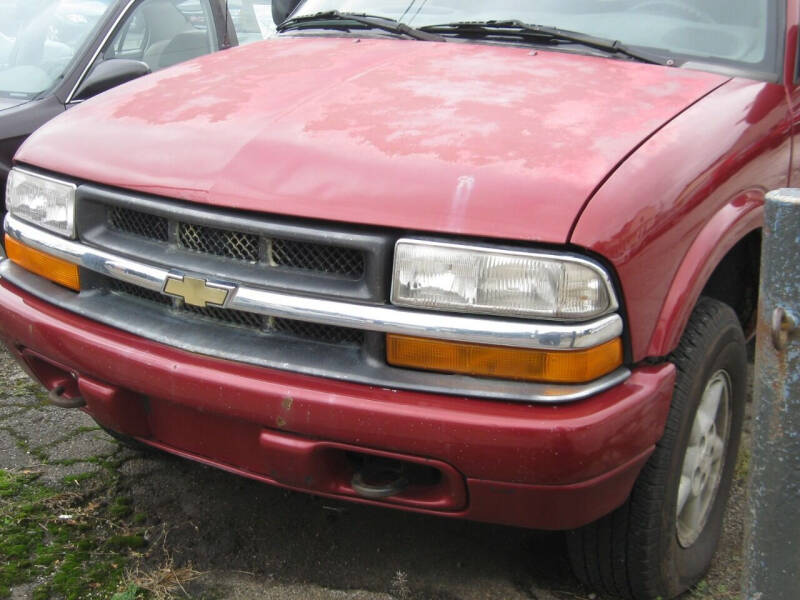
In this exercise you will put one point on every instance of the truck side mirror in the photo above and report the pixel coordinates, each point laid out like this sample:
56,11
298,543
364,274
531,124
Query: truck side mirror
281,9
108,74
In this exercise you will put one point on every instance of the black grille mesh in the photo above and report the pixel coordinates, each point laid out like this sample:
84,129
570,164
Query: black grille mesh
241,246
128,289
137,223
287,327
315,257
222,315
219,242
319,333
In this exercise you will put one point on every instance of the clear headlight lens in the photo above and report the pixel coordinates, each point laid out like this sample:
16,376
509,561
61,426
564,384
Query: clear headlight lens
474,279
42,201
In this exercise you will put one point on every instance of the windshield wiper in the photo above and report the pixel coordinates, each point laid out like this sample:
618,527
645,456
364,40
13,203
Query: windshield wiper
487,29
333,19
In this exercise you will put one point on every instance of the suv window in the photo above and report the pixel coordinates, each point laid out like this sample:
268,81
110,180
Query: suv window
163,33
252,19
40,40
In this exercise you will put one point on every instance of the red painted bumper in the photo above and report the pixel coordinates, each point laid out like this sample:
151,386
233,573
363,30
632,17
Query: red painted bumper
551,467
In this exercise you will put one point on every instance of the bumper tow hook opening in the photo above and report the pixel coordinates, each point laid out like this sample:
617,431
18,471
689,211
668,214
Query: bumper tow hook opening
379,480
56,398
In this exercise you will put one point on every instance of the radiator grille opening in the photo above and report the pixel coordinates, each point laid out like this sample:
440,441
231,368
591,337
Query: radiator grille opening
134,291
315,257
140,224
319,333
231,317
219,242
241,246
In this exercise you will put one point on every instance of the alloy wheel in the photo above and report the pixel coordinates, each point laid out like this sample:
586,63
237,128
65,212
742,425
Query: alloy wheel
704,459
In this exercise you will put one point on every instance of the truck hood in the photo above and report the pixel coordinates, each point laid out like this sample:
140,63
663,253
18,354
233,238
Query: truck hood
449,137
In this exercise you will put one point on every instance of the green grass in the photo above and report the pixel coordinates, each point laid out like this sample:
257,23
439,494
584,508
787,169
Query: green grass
77,478
24,387
132,592
23,445
76,545
743,463
121,507
712,591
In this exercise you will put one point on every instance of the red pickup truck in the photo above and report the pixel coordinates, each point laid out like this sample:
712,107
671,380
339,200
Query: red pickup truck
494,261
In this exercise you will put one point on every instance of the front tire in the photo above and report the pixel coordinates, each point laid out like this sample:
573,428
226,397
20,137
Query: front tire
662,540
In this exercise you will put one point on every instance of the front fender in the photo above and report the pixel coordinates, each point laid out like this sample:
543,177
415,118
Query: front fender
732,223
667,216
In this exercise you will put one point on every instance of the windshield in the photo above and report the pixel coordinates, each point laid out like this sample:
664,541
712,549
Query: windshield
39,38
742,33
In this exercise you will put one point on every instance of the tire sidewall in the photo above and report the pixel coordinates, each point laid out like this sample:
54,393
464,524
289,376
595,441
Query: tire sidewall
683,567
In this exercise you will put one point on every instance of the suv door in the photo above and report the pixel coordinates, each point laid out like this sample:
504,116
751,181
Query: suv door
162,33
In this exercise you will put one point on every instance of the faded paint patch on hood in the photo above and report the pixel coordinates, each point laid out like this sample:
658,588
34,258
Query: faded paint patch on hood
450,137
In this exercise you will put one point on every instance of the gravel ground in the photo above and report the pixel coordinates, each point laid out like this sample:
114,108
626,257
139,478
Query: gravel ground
225,537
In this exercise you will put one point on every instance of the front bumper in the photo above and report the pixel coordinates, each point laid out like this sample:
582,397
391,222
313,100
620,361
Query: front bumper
539,466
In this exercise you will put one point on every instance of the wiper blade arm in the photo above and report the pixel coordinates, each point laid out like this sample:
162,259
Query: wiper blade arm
371,21
488,28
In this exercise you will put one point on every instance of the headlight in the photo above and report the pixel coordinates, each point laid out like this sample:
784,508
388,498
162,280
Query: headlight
474,279
43,201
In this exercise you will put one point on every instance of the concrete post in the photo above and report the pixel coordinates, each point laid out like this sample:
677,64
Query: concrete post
772,531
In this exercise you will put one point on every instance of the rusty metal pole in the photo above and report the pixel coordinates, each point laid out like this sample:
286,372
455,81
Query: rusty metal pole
772,530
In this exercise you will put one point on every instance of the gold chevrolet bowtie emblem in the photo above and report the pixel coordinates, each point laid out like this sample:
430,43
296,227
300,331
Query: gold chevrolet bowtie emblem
196,292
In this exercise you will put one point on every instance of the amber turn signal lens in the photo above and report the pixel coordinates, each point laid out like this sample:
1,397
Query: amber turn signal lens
573,366
52,268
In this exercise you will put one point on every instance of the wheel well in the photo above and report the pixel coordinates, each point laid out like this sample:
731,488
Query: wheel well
735,280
